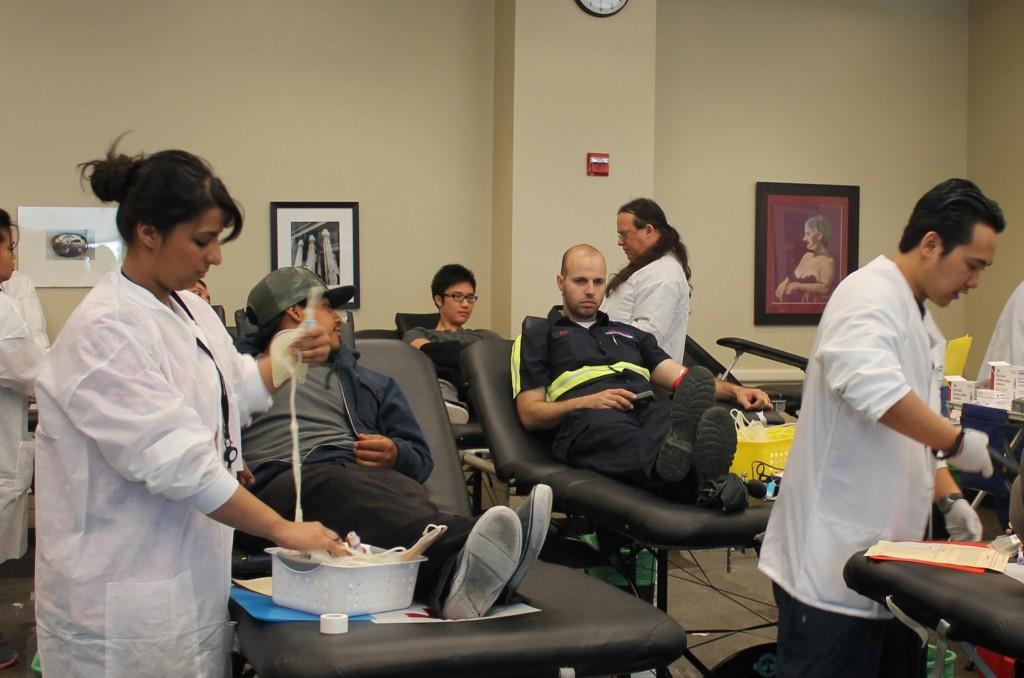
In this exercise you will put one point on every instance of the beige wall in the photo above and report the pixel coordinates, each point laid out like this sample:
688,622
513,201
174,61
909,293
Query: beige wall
461,126
581,84
385,103
996,151
870,93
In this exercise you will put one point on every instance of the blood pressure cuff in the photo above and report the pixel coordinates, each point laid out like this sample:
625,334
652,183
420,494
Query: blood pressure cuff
728,493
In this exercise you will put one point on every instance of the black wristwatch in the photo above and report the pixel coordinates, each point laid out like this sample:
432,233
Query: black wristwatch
943,454
946,503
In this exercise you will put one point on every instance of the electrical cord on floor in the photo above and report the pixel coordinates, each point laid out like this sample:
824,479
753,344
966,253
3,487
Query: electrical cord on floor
689,578
729,595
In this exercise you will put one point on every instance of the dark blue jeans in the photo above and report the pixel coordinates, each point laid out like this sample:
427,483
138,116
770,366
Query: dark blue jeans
813,642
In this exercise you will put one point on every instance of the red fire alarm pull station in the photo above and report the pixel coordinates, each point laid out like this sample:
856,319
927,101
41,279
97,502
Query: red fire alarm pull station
597,164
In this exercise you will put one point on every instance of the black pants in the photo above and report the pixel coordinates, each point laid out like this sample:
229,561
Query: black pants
616,443
813,642
384,507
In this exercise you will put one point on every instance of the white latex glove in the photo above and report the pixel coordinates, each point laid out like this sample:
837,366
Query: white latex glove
962,522
973,455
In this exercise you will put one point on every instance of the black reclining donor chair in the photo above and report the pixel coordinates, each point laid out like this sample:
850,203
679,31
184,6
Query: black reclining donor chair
790,391
584,625
523,459
468,435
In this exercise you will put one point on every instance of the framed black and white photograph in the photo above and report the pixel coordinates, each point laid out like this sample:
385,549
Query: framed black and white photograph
68,246
322,236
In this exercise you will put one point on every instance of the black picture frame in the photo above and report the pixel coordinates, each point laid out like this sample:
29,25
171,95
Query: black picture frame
323,236
802,232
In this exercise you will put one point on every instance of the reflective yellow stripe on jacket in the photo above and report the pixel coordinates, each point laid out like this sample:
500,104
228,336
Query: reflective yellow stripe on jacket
567,381
517,347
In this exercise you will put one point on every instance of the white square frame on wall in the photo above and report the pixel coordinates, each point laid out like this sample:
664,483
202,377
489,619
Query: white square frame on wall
68,246
322,236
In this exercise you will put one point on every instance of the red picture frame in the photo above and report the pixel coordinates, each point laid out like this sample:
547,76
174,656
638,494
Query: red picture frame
806,241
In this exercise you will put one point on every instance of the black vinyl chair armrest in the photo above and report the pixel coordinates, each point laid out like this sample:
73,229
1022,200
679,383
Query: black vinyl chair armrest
375,334
762,351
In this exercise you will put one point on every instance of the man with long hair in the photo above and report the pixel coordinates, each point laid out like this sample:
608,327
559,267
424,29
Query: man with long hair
652,292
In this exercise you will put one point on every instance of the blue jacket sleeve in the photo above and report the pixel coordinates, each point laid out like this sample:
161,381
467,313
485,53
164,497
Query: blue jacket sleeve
396,421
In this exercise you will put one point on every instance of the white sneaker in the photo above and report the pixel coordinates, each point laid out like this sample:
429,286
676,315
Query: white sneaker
487,561
535,518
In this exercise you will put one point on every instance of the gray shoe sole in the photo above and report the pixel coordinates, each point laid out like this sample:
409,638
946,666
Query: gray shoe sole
487,560
716,445
695,395
535,517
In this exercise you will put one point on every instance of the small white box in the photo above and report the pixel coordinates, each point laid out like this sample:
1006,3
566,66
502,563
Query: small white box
1007,378
992,398
960,390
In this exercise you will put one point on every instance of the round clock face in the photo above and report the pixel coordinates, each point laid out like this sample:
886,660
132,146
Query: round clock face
601,8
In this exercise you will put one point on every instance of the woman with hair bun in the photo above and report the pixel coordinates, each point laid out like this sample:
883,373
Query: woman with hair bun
141,400
815,274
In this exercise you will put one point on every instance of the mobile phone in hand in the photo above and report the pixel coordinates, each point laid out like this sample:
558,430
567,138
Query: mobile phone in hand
643,398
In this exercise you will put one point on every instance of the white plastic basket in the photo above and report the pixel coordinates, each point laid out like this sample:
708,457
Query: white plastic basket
357,589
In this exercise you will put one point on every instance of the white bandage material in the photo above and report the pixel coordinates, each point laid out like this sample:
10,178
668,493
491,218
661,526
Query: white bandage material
284,362
333,624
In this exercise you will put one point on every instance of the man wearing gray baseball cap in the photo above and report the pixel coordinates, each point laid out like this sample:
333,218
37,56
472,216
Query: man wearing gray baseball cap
364,460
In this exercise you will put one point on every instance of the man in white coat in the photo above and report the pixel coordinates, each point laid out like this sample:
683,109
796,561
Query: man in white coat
1007,341
863,465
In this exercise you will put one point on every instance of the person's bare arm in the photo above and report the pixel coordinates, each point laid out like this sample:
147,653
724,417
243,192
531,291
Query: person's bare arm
243,511
419,343
536,413
667,371
944,483
914,419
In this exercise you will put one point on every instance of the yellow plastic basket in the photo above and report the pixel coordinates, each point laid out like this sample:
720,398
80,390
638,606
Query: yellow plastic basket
772,452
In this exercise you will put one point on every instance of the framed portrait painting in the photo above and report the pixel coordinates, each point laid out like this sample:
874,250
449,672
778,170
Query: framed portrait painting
322,236
805,242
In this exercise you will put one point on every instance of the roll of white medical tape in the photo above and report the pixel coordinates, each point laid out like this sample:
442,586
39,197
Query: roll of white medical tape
333,623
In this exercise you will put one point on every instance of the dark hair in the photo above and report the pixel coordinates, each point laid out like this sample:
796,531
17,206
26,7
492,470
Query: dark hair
6,224
645,211
163,190
951,209
448,275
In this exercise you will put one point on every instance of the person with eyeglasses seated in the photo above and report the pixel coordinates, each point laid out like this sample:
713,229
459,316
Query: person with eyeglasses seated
364,459
454,292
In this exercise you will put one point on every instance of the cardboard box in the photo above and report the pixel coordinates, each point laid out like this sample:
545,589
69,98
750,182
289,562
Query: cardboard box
1007,378
960,390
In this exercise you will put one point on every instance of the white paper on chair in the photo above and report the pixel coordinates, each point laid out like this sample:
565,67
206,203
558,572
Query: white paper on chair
420,614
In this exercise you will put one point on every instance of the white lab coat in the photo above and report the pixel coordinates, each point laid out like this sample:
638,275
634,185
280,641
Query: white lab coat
1007,341
20,360
655,299
132,577
850,480
20,287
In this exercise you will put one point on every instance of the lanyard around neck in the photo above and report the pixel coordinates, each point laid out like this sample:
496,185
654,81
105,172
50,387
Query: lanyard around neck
230,451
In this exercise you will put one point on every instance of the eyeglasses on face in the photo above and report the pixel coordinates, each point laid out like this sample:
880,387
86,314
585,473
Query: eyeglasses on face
459,297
